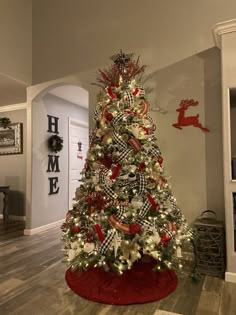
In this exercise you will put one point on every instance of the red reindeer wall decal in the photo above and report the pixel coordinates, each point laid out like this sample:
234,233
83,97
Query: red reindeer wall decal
189,120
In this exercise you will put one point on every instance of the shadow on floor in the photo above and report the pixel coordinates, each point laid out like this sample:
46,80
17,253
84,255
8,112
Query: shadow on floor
15,229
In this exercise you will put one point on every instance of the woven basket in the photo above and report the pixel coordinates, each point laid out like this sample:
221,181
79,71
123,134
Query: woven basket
209,245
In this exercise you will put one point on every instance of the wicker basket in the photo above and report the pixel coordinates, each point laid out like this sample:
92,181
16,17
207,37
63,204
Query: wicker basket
209,245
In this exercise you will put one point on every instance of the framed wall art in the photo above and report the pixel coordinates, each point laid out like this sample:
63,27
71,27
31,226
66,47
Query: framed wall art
11,139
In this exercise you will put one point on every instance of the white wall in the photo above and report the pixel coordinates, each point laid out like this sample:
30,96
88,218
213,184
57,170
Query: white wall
47,209
13,169
16,39
192,157
73,36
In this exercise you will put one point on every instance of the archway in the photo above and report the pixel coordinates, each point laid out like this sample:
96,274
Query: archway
51,112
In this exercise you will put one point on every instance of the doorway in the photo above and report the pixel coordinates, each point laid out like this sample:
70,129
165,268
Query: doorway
78,147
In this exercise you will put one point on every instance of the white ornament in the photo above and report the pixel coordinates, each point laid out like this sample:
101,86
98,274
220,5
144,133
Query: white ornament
136,202
74,251
138,131
71,254
89,247
116,243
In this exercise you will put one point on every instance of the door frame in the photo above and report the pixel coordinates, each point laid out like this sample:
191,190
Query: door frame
73,121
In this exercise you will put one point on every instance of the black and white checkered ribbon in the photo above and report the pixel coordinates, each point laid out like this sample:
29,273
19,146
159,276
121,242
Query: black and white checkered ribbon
120,213
106,184
144,209
123,183
107,242
142,183
96,113
146,224
168,232
133,185
103,175
118,118
175,209
124,154
154,151
129,98
109,191
118,140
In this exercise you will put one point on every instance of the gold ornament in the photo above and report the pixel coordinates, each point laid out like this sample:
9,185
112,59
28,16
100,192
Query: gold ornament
107,139
125,137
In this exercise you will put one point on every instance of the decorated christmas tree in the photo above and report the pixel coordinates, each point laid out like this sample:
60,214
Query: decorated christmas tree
124,210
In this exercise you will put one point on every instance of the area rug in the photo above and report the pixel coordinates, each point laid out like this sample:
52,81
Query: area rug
139,285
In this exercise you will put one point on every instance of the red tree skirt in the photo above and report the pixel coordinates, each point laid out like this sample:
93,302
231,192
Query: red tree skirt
139,285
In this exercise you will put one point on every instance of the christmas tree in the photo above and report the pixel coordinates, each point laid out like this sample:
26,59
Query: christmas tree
124,208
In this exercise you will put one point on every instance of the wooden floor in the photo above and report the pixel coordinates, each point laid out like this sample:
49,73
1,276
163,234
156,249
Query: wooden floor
32,283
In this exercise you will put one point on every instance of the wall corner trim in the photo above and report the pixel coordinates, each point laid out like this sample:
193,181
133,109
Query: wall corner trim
230,277
223,28
9,108
43,228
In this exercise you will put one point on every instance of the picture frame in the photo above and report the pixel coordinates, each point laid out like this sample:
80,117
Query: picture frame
11,139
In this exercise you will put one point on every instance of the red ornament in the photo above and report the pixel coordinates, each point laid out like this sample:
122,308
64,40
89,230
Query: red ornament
108,116
141,166
165,238
189,120
160,159
135,228
75,229
68,216
63,226
106,161
89,237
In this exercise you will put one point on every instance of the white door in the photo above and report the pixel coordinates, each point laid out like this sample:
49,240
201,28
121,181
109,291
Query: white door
78,147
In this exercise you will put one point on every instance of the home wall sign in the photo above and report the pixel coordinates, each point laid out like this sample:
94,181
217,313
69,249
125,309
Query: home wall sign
188,120
53,160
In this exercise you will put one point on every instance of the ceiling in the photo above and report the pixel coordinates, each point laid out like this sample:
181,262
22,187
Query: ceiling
72,93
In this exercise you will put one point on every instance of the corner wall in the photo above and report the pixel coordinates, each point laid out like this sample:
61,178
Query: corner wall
192,158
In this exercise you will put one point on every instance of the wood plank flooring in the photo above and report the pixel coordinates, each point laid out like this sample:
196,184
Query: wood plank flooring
32,283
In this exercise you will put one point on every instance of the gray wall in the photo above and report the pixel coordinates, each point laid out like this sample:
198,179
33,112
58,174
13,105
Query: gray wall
192,157
47,209
13,169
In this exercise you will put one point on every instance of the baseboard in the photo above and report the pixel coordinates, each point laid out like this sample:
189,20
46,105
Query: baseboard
14,217
43,228
230,277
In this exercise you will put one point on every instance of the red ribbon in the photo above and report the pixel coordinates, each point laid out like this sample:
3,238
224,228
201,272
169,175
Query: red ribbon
110,92
135,144
136,91
99,232
115,171
145,129
123,227
152,202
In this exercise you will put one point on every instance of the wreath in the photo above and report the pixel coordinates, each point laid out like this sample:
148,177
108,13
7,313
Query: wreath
5,122
55,143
